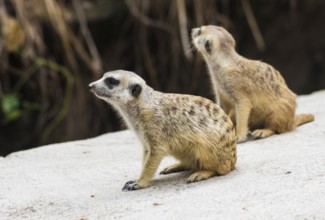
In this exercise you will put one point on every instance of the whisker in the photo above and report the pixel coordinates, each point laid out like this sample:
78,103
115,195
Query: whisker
191,49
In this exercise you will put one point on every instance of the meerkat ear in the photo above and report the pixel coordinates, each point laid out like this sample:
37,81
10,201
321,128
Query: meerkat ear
232,41
135,90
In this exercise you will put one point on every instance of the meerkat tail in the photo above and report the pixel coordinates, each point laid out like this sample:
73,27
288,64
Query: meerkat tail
303,119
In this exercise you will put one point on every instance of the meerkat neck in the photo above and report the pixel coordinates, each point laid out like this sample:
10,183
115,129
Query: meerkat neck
224,60
227,58
131,112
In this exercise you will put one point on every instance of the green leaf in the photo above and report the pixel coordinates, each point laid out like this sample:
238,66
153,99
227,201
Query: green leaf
10,106
13,115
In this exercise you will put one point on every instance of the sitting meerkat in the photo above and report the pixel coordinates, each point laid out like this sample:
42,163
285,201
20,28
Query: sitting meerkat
193,129
252,93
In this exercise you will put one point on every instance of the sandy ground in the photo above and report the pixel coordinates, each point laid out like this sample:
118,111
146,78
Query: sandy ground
281,177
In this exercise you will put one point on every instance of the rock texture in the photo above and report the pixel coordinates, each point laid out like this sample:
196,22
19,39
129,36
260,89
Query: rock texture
281,177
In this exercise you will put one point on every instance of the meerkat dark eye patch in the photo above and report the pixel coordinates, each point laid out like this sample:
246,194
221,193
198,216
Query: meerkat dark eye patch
208,46
135,90
111,82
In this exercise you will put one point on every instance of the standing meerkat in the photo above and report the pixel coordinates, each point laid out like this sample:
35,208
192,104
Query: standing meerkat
192,129
252,93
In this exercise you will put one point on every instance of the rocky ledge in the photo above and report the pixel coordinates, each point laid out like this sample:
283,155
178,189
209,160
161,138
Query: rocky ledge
281,177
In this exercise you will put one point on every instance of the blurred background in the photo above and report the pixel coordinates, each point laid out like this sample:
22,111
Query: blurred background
50,50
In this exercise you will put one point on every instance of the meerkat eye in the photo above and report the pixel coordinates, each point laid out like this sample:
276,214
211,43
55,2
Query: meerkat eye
110,82
208,46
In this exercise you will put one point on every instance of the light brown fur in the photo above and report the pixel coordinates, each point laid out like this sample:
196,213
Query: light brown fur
192,129
252,93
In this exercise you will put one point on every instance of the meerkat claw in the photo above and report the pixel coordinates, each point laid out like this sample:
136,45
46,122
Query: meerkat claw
130,186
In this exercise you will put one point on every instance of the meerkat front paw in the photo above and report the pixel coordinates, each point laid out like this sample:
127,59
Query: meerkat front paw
242,138
131,185
242,133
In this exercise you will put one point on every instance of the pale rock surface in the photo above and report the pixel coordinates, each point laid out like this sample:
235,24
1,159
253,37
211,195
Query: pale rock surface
281,177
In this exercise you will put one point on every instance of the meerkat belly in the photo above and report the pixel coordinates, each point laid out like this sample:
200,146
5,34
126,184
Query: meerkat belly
187,135
257,117
201,155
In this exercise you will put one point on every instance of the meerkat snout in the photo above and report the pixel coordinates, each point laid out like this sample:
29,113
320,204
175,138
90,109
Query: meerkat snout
101,88
90,86
196,32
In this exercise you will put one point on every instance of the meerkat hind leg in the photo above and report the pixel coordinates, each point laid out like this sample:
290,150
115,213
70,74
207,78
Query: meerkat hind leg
262,133
201,175
175,168
271,125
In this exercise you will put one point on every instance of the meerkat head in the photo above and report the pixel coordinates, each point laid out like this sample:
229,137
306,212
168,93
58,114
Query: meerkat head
118,87
211,40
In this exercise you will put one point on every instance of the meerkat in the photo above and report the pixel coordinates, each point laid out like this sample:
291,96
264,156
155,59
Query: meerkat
253,93
194,130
